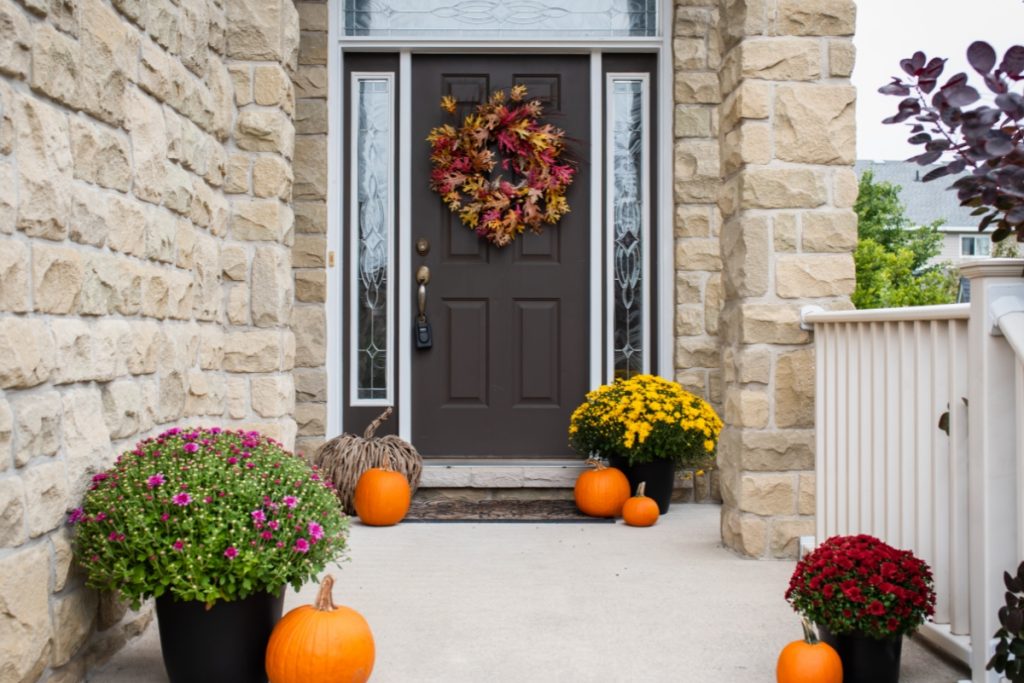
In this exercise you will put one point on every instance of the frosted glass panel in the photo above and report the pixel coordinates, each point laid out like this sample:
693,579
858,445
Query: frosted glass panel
373,162
468,19
626,101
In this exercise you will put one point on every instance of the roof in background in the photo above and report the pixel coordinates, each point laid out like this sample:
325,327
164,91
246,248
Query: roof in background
925,202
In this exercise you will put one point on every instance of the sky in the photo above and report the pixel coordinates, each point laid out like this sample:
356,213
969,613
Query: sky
890,30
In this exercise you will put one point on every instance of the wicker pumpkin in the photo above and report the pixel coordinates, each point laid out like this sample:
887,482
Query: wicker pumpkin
382,496
809,661
321,642
602,491
640,510
345,458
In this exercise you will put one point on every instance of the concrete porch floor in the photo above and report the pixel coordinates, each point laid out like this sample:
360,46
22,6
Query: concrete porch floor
600,603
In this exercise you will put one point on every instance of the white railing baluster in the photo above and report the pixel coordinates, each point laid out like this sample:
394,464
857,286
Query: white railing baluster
960,606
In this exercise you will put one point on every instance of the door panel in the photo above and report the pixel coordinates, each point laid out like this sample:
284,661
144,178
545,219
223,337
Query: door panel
510,355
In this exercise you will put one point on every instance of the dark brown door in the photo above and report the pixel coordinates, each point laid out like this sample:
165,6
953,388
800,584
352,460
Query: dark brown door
510,352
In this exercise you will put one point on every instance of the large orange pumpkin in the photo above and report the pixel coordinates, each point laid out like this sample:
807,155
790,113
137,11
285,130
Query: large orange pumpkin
321,642
809,661
640,510
382,496
602,491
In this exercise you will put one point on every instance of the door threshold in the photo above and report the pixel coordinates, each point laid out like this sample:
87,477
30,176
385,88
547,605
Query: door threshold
501,473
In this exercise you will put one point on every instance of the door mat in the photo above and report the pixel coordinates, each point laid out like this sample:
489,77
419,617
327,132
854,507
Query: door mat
533,511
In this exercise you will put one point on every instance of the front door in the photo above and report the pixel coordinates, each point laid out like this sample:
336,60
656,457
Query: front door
510,358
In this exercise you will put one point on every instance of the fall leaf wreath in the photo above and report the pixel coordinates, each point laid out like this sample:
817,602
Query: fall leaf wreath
463,159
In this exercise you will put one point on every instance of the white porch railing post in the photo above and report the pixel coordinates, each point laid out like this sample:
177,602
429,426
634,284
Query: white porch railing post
992,471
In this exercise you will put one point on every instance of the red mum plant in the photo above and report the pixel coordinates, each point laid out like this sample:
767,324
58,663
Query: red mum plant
858,584
206,514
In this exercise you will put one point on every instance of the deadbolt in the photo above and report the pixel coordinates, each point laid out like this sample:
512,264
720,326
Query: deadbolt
422,246
423,275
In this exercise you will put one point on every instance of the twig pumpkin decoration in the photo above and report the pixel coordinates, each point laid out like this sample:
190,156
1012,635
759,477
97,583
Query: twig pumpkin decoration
321,642
345,458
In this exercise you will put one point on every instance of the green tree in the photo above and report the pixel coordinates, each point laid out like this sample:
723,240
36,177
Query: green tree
892,255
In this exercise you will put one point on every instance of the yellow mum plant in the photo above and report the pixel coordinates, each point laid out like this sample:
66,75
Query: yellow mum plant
645,418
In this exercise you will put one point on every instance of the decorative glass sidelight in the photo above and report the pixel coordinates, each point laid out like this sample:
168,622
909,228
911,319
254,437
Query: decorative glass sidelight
628,210
372,221
500,18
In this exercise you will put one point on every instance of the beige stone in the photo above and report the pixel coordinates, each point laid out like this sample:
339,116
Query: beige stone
784,233
841,57
256,32
111,285
780,59
37,423
241,82
768,494
27,353
689,321
817,17
752,99
311,117
252,351
15,41
12,513
63,558
25,633
746,408
692,121
126,226
100,156
236,178
46,497
145,121
160,20
207,295
782,188
273,396
697,353
161,231
57,63
73,617
309,251
696,159
310,326
58,273
746,534
697,87
211,347
234,260
110,55
689,288
754,365
771,324
713,300
785,536
272,177
142,356
313,49
266,220
273,87
844,188
767,451
692,221
829,231
310,81
237,397
171,397
88,224
44,166
272,291
86,437
794,389
814,124
122,408
698,254
260,130
814,275
310,385
312,16
205,393
8,199
6,434
310,168
311,217
14,282
237,305
311,419
806,498
310,286
747,249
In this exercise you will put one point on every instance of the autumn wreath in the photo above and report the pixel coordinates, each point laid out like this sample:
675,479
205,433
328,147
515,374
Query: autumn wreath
500,208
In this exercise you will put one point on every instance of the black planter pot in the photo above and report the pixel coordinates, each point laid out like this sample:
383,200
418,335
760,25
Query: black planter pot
225,644
660,476
866,660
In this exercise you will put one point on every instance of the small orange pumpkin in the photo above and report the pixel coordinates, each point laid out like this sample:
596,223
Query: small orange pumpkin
321,642
602,491
809,661
382,496
640,510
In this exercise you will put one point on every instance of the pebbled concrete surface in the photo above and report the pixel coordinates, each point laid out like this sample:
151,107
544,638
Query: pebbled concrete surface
576,603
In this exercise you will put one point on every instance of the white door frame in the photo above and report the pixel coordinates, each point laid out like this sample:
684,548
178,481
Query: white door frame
337,290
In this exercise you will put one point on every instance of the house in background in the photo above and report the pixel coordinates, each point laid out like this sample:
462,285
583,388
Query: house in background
931,201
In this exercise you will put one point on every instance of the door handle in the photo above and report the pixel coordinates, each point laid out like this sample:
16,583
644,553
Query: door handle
423,278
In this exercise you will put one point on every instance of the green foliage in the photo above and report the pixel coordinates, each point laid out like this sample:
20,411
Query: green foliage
892,256
1006,249
1008,658
204,514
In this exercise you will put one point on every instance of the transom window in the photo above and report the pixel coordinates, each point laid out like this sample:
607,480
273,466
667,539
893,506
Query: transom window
976,245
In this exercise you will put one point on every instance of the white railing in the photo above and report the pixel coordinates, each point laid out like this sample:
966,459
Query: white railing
886,466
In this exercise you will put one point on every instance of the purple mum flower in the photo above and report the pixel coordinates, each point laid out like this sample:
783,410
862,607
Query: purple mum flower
291,501
76,516
316,532
191,447
182,499
301,545
258,516
156,480
100,477
231,553
178,545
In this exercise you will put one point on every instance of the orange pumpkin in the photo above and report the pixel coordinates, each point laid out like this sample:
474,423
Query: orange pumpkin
321,642
640,510
382,496
602,491
809,661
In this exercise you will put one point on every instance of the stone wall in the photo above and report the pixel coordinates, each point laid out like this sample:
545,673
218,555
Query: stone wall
786,134
145,270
